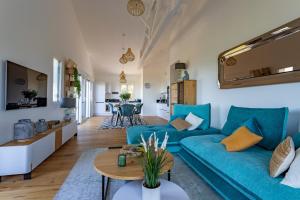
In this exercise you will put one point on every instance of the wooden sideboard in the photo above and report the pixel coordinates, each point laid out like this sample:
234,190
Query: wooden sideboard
183,92
22,156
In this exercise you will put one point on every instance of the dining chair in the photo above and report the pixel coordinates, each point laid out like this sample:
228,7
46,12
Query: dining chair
137,113
126,110
113,112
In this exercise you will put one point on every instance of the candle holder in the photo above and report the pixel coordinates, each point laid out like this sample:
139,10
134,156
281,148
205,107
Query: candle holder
122,160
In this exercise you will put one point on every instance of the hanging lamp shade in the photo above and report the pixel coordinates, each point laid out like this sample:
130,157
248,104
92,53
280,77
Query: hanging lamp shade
129,55
123,77
41,77
123,59
136,7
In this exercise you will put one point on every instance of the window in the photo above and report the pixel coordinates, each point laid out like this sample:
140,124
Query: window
85,100
57,79
127,88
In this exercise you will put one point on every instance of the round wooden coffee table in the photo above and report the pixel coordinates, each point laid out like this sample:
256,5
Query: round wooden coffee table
106,164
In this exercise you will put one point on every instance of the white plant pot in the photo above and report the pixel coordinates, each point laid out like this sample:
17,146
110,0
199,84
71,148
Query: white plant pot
150,194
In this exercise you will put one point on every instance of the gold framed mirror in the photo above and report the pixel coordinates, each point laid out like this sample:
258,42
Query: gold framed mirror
271,58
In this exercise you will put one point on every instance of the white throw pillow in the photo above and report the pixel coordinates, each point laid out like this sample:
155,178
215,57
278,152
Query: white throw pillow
194,120
292,177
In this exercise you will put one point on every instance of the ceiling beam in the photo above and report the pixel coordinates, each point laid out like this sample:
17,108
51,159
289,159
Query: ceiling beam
157,32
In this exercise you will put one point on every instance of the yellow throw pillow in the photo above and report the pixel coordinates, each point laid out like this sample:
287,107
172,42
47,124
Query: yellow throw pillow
241,139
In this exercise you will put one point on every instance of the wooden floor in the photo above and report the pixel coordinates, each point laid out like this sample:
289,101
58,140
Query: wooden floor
49,176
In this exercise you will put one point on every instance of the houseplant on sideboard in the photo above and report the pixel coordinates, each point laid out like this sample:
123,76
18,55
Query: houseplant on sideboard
154,161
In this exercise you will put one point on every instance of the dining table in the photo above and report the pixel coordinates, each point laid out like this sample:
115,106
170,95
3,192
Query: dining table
119,113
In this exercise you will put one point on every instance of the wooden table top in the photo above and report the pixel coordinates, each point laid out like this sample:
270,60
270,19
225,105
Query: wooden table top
106,163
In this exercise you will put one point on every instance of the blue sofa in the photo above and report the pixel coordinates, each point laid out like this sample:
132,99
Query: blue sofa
203,111
245,174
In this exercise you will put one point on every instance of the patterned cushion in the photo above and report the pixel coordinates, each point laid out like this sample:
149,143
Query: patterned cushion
282,157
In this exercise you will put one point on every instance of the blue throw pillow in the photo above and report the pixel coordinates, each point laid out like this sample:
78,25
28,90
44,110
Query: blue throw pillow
253,126
296,139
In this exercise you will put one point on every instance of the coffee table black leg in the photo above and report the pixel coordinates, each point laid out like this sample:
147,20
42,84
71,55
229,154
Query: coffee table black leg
105,187
169,175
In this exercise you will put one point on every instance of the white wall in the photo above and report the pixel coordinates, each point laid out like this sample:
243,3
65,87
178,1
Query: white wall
32,33
209,28
156,72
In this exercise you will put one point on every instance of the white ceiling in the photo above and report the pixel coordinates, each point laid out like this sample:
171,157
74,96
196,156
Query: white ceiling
102,23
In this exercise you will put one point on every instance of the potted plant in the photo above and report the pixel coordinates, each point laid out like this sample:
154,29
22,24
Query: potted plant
125,96
76,82
29,94
154,160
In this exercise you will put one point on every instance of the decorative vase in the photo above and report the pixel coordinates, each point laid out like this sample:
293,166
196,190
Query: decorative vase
150,193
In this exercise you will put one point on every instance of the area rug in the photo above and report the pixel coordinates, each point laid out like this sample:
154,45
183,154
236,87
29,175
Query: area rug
106,124
84,183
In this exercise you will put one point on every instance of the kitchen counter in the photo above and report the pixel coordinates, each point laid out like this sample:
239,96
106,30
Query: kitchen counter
163,110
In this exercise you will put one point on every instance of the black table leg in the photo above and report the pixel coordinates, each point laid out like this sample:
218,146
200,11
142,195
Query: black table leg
169,175
27,176
118,116
105,187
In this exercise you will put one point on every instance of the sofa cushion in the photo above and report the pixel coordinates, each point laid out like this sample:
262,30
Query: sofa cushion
194,120
296,139
180,124
248,169
292,177
253,126
241,139
282,157
173,117
272,123
134,133
202,111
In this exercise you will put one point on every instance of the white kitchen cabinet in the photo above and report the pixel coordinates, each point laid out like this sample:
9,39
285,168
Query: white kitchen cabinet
99,96
163,111
115,87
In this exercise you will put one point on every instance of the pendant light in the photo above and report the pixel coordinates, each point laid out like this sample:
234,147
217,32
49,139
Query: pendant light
123,60
136,7
123,77
129,55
